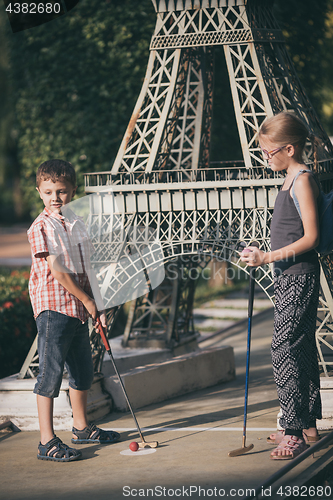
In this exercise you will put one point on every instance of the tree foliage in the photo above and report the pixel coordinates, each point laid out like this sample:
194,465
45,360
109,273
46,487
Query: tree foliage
326,87
306,31
76,80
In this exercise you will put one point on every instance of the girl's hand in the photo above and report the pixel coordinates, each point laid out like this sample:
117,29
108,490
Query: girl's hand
252,256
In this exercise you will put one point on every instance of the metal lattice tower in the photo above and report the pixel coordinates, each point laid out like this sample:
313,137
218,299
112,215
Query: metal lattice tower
162,177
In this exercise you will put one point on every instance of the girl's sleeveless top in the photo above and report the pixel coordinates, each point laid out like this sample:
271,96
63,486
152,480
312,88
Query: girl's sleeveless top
286,228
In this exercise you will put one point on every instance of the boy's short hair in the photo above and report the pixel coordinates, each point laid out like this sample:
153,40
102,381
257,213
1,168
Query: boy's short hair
54,170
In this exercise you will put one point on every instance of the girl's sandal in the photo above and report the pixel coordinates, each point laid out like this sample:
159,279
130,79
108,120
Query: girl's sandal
93,434
311,439
279,435
293,445
57,451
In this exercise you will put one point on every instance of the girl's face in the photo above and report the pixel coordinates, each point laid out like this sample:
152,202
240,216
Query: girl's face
276,154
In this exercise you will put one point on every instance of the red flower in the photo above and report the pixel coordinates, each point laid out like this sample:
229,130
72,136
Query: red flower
8,305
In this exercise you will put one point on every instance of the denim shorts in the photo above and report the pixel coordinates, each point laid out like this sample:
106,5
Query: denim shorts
62,341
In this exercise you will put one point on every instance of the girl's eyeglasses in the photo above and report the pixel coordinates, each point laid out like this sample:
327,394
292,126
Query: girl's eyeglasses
268,155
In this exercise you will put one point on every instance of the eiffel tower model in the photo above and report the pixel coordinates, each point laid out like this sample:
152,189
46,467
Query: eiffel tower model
162,177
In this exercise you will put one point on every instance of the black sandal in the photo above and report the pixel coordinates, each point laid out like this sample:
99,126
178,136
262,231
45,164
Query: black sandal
60,453
93,434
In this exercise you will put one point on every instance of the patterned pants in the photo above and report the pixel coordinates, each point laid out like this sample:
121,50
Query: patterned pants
294,352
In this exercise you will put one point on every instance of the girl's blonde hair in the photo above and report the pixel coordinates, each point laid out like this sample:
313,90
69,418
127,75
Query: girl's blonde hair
286,128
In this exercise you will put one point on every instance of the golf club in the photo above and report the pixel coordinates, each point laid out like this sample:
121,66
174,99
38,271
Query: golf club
244,448
100,329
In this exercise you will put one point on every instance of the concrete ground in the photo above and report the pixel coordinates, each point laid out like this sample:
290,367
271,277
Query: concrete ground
195,433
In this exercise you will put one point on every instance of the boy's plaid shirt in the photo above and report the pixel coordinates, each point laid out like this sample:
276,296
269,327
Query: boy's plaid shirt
67,238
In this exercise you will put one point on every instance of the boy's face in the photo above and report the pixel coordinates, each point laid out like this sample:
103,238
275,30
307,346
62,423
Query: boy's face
56,194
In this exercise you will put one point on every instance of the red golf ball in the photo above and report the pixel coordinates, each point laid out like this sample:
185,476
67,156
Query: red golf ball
134,446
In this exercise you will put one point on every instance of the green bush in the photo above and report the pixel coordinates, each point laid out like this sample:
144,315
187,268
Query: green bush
17,324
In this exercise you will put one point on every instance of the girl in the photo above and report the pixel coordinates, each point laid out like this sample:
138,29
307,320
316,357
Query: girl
296,283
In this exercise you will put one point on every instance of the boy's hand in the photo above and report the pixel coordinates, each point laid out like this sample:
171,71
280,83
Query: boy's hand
91,307
102,317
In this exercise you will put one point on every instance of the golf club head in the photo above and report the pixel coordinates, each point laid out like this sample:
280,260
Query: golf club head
143,444
240,451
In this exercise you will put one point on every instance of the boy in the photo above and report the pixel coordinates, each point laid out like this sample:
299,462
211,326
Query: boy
60,287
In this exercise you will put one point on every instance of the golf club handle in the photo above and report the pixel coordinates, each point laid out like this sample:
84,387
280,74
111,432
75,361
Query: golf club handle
252,283
251,292
102,334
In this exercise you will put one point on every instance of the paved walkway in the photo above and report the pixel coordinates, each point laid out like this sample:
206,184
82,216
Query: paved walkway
195,434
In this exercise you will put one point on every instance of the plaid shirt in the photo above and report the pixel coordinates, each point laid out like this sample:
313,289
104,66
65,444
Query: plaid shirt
67,238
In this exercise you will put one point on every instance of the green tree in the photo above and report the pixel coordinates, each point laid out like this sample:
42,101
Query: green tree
76,80
308,35
10,191
326,89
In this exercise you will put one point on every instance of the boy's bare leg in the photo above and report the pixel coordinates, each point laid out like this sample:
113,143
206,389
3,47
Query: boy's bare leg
79,401
45,416
79,406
